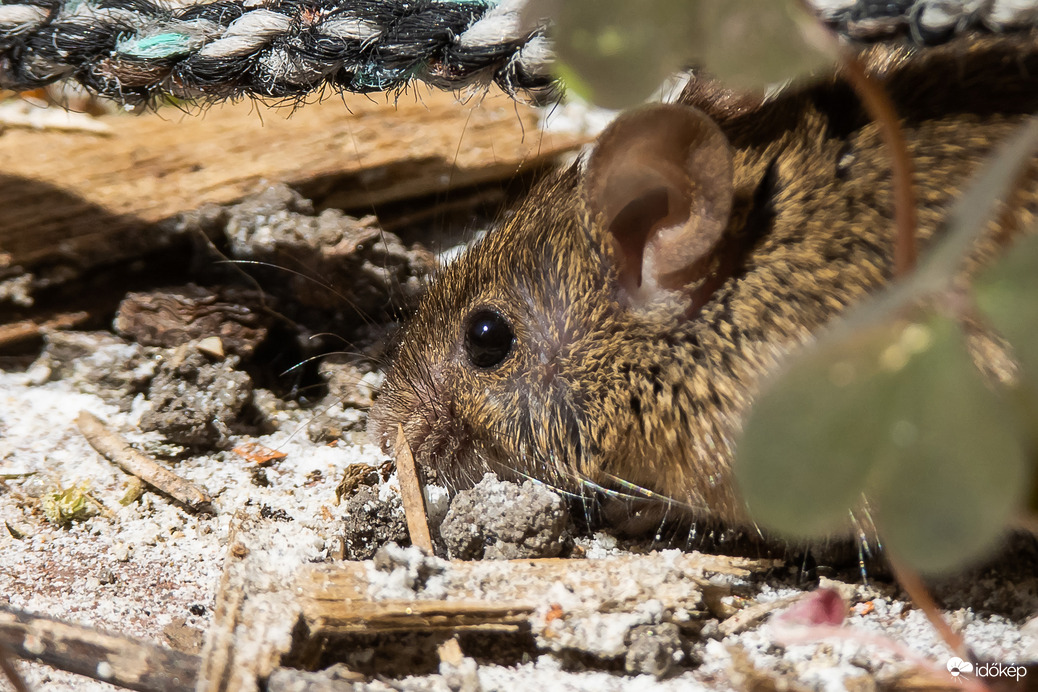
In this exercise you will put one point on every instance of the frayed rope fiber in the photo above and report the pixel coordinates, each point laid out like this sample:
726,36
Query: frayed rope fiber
135,50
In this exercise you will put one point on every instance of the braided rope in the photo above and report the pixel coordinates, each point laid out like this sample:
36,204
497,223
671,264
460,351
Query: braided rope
134,50
926,21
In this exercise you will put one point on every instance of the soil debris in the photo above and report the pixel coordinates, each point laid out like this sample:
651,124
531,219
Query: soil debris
196,402
171,317
97,363
498,520
370,523
654,649
326,260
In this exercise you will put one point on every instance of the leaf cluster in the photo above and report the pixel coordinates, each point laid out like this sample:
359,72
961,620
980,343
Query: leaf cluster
888,422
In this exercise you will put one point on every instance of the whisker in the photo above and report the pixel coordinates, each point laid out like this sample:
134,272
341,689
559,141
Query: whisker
302,426
271,265
323,284
608,492
331,334
647,494
302,363
565,493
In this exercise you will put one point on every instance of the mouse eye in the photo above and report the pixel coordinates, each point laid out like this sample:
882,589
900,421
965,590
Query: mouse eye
488,338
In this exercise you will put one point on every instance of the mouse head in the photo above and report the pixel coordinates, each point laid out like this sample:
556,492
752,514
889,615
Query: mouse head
529,354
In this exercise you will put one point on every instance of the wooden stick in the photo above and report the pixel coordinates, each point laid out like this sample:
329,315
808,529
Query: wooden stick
117,450
121,661
411,493
24,330
10,672
218,652
402,615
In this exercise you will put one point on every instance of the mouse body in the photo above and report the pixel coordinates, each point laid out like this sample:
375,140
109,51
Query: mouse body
613,332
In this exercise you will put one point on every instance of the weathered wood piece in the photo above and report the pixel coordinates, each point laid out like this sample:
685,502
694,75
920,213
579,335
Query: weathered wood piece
255,611
82,197
171,317
119,452
335,598
121,661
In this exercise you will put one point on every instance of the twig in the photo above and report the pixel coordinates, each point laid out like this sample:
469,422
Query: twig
747,617
218,652
336,598
24,330
411,493
119,452
121,661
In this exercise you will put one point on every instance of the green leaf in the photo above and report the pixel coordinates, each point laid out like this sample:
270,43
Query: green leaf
806,451
962,474
751,44
1008,294
621,51
894,411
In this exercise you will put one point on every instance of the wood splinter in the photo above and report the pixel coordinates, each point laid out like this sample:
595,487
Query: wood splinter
411,494
117,450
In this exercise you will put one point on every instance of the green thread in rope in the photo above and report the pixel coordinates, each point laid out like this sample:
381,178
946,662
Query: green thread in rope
378,77
169,45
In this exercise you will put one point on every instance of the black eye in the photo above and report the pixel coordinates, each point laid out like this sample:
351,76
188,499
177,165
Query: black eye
488,338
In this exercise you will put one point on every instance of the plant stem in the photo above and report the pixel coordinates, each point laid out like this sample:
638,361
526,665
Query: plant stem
913,585
881,109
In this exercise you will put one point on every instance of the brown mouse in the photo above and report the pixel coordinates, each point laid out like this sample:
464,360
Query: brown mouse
612,334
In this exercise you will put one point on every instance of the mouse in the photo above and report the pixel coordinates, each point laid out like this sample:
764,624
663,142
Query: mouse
610,336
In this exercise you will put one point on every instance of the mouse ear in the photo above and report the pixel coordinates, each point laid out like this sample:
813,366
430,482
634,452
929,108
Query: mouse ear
660,180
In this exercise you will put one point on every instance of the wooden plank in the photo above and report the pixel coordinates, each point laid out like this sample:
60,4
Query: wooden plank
334,598
68,195
373,617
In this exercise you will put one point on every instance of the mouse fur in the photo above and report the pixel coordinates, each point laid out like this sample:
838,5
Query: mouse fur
641,391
